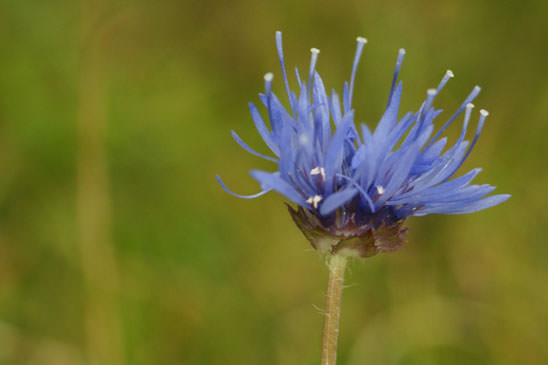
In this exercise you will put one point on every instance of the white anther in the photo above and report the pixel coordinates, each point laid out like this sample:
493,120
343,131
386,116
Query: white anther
314,50
450,73
470,105
318,171
484,112
314,200
361,40
402,51
380,189
431,92
268,76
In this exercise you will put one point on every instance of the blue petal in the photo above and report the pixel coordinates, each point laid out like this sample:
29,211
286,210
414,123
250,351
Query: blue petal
335,151
439,189
468,99
346,98
275,182
400,173
249,149
390,117
335,200
225,188
335,107
263,130
363,193
470,208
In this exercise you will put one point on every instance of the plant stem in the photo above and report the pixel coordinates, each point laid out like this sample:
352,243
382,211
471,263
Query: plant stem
332,313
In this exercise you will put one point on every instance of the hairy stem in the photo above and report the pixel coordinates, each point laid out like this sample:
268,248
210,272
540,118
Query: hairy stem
332,313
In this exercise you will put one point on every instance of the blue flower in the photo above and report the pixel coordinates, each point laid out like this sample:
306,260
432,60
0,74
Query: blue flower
354,190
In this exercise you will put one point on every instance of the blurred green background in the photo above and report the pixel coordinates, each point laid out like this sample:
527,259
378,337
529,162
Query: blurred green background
117,246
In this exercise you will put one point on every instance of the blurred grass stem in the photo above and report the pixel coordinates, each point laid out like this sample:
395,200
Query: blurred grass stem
332,314
99,266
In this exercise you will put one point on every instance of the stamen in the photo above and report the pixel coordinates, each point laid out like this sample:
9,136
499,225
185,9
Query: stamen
282,65
448,75
359,49
298,76
380,189
483,114
268,82
430,95
475,91
467,114
268,90
401,54
313,60
314,200
318,171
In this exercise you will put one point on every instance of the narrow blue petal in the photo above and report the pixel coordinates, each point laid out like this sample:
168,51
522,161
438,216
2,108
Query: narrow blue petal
399,62
346,98
366,134
322,113
225,188
470,208
249,149
468,100
461,196
287,156
361,42
434,150
390,117
335,200
335,151
400,173
476,136
275,182
298,76
443,188
363,193
335,107
263,130
282,66
358,157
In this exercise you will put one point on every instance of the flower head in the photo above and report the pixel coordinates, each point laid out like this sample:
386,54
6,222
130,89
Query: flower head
354,190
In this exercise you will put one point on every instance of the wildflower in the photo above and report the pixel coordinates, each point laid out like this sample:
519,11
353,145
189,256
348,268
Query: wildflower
354,190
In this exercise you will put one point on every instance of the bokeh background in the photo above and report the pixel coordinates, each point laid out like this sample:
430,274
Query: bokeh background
117,246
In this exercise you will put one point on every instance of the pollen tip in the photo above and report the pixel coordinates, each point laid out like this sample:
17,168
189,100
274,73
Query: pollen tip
314,50
278,32
450,73
401,51
361,40
268,76
380,189
431,92
484,113
470,105
477,88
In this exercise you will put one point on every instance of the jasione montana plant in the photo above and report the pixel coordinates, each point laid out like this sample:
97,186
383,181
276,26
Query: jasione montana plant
353,186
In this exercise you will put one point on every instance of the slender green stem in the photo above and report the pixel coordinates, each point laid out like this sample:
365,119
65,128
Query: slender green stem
332,313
